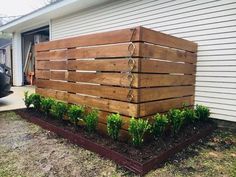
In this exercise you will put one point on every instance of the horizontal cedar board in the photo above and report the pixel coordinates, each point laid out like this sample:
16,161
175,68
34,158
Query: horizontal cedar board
156,66
147,65
120,36
117,36
119,79
128,109
115,65
150,94
150,108
47,65
117,93
153,80
102,65
154,51
120,50
159,38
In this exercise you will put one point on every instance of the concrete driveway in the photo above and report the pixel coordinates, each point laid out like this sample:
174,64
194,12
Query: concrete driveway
15,100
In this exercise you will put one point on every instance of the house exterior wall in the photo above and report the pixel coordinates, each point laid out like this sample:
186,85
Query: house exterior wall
210,23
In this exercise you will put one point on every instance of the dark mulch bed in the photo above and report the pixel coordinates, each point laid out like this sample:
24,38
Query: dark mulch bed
149,150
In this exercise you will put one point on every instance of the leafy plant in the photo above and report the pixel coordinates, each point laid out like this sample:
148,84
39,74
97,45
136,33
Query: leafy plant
114,123
59,110
189,115
46,105
75,113
202,112
137,130
159,124
27,99
91,120
176,119
36,101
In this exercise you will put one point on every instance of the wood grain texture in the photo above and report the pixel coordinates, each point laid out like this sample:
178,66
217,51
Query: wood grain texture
93,70
159,38
150,108
116,93
118,65
124,108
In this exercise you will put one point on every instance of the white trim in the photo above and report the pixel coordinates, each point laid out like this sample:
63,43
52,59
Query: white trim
17,60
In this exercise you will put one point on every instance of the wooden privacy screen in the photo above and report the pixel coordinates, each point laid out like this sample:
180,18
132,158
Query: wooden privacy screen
136,72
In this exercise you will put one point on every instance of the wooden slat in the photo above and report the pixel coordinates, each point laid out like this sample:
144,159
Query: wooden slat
102,65
112,37
151,94
47,65
154,51
120,50
117,93
159,38
147,65
55,75
156,66
154,80
150,108
124,108
118,79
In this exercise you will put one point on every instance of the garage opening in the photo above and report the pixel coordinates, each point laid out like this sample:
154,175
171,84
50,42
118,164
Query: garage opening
29,39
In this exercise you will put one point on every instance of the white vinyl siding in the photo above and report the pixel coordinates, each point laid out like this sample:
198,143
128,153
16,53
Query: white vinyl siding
210,23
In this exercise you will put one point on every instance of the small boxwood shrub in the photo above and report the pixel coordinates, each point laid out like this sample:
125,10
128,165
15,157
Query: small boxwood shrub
159,125
176,119
202,112
46,105
36,101
91,120
114,123
27,99
59,110
137,130
189,115
75,113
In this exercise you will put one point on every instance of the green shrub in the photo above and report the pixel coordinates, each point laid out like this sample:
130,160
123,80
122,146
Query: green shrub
137,130
202,112
159,124
189,115
114,123
46,105
36,101
176,119
75,113
59,110
27,99
91,120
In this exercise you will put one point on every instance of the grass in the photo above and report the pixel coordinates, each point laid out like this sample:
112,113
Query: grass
27,150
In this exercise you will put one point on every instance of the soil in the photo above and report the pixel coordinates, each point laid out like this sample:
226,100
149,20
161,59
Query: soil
149,150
